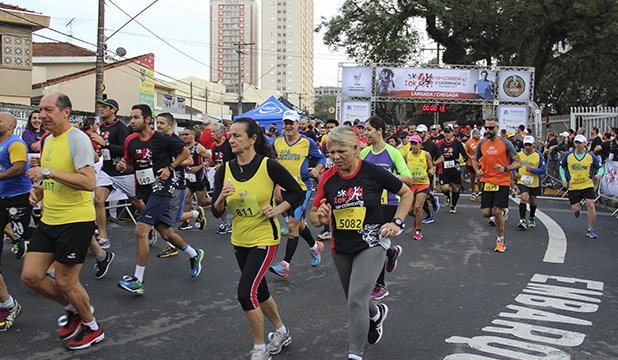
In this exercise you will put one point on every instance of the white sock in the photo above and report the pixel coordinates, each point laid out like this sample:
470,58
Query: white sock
286,218
139,273
285,262
8,304
501,238
70,308
92,325
282,330
195,213
315,246
190,251
260,346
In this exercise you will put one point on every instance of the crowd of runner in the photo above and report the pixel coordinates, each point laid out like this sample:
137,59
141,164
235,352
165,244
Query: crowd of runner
366,178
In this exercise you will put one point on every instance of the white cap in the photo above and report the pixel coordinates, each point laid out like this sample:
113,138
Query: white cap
581,138
421,127
529,140
565,134
527,132
291,115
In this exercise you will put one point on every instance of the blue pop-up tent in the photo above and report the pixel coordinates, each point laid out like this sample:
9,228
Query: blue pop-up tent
270,111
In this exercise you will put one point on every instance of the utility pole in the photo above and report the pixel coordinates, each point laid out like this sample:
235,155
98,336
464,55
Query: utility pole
239,51
191,102
100,58
206,100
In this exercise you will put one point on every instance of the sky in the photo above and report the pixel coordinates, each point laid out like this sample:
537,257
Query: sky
182,23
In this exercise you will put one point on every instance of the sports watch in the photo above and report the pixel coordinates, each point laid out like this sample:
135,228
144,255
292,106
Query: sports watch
46,173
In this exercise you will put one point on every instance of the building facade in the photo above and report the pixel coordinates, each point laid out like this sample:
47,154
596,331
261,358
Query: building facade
233,22
320,91
287,50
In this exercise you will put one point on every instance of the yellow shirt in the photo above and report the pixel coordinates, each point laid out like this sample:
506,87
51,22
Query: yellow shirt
418,168
527,178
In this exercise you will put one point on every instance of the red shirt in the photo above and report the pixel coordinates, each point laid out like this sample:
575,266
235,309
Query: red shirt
206,139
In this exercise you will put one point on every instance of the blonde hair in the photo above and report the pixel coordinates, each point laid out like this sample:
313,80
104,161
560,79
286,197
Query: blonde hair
343,135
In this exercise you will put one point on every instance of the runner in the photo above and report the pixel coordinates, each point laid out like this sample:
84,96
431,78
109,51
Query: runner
421,169
293,152
246,185
222,153
67,224
349,196
149,152
471,150
528,179
576,173
496,153
194,175
450,171
331,124
434,150
111,137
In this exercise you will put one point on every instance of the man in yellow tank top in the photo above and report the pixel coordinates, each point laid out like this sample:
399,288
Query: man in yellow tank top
528,178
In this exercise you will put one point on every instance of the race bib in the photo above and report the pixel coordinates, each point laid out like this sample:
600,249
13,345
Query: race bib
51,185
351,218
490,187
527,179
449,164
329,163
244,206
106,154
145,176
384,197
190,176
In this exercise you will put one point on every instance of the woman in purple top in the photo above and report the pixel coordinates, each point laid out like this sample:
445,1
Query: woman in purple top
33,133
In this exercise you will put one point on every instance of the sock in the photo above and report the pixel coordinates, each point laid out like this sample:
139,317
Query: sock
225,220
8,304
532,211
286,218
189,251
282,330
522,211
139,273
290,248
455,199
426,209
92,325
70,308
102,257
501,239
195,213
260,346
390,253
327,227
306,234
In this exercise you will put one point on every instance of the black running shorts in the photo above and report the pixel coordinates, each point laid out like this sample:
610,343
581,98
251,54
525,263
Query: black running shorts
69,242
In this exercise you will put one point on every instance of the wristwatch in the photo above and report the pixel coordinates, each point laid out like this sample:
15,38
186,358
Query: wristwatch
46,173
399,223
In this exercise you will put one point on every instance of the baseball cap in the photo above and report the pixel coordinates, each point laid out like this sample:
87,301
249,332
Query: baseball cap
448,128
468,127
475,130
529,140
581,138
435,126
416,138
291,115
361,124
404,134
565,134
109,102
421,128
510,133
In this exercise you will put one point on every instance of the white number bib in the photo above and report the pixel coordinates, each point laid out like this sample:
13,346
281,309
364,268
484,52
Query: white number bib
527,179
449,164
190,176
106,154
145,176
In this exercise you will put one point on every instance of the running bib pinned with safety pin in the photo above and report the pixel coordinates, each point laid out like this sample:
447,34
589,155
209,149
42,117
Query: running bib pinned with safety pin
244,206
145,176
490,187
351,218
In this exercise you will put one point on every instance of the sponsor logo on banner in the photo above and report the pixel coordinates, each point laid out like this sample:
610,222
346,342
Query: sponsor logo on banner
514,86
351,110
356,81
270,108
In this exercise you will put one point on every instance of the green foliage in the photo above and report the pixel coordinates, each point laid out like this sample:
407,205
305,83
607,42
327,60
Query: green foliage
321,105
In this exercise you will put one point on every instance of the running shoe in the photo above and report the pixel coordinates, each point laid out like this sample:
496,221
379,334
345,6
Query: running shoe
513,193
447,201
428,220
376,327
522,224
103,266
591,234
531,222
316,255
473,197
168,251
436,204
200,220
111,219
196,263
224,229
391,264
282,269
492,221
505,213
19,248
186,225
453,210
86,338
70,325
152,236
324,235
278,341
577,214
379,292
259,354
104,243
500,246
131,284
8,316
284,229
418,235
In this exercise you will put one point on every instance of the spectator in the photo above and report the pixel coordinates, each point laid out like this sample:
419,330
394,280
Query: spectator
33,133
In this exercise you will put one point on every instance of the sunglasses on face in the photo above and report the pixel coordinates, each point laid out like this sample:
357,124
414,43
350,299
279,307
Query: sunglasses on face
527,144
490,127
578,142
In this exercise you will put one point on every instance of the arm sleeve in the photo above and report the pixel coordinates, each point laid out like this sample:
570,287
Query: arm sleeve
18,152
595,161
601,172
81,149
510,148
563,163
542,168
117,149
127,156
218,185
563,173
479,154
463,152
283,178
315,153
399,162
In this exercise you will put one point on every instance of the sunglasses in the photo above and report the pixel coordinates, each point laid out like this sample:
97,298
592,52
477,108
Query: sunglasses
578,142
490,127
527,144
414,143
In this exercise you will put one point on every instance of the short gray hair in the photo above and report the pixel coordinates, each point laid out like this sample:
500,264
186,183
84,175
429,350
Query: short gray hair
63,101
220,127
343,135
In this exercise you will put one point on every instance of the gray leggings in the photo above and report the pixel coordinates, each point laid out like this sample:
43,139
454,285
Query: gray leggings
358,273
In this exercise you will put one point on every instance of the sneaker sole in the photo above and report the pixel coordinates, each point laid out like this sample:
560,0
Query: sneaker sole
72,335
185,228
276,273
97,340
138,292
167,255
284,344
107,268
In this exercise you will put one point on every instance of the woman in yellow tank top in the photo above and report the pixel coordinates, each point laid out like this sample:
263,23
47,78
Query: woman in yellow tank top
421,168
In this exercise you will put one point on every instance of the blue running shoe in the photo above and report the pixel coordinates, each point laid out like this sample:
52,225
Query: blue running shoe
436,204
196,263
577,214
284,229
316,255
282,269
591,234
131,284
428,220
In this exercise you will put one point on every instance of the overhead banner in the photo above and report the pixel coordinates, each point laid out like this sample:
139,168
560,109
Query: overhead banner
511,117
146,81
356,81
352,110
609,183
173,103
514,86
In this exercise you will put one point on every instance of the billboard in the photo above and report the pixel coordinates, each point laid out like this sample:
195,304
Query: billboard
514,86
511,117
351,110
173,103
356,81
146,81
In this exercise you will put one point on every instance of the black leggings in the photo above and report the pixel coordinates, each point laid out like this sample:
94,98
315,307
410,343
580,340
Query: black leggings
253,263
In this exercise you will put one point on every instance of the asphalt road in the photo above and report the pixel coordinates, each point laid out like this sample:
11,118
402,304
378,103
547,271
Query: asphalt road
451,297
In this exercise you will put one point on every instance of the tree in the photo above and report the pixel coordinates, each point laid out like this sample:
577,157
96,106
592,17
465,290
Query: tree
321,105
554,37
